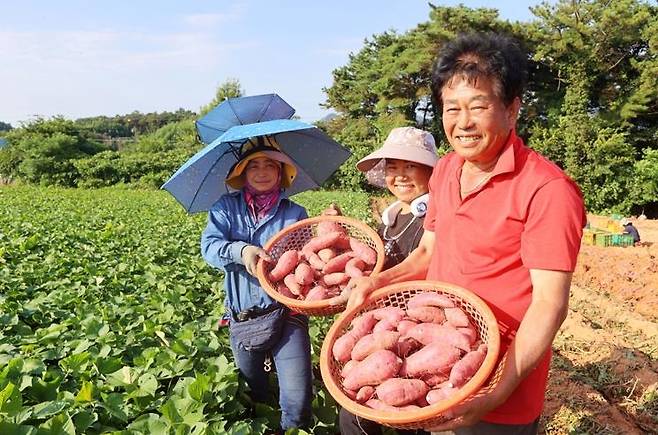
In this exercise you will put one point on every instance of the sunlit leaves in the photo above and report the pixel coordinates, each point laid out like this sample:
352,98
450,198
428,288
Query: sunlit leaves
106,316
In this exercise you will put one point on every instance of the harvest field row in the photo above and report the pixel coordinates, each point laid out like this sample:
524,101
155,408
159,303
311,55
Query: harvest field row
106,318
107,314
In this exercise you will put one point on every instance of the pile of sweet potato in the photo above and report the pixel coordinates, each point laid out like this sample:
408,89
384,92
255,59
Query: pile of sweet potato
324,265
396,359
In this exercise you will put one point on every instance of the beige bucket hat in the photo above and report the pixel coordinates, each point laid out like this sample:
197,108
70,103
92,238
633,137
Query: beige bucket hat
266,147
402,143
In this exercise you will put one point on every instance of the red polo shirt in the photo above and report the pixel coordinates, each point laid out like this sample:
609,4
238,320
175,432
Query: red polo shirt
529,215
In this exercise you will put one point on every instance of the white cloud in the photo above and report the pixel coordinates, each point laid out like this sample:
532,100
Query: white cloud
80,73
235,12
111,50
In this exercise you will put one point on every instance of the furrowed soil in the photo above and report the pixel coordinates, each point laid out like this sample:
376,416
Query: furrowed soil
604,376
604,372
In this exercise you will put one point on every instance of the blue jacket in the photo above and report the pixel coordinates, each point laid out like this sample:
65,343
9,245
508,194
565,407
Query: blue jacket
231,227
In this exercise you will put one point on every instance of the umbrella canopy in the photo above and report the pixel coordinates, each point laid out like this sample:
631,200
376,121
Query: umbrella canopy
239,111
200,182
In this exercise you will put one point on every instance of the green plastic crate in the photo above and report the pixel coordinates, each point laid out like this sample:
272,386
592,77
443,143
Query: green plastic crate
622,240
603,239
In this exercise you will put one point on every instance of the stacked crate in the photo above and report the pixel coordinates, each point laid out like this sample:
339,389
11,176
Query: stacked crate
622,240
605,232
588,237
603,239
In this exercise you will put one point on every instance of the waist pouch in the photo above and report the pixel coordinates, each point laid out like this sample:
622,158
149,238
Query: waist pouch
260,333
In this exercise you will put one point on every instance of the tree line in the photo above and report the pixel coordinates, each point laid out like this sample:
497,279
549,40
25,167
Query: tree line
591,106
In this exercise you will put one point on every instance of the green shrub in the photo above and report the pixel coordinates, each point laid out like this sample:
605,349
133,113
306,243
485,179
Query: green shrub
146,169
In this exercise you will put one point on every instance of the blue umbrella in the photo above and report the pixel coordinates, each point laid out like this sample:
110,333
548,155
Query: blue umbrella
200,181
239,111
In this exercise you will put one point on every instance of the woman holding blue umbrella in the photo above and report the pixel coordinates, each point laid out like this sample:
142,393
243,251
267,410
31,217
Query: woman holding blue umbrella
239,224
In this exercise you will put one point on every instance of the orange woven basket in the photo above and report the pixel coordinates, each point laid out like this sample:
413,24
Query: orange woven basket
397,295
295,237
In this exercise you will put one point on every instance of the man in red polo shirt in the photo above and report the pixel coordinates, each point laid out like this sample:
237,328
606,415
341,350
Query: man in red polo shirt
502,221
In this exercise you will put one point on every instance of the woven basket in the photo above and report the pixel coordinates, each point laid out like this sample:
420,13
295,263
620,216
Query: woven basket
397,295
295,237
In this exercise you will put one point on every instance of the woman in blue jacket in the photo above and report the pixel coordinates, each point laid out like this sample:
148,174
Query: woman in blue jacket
239,224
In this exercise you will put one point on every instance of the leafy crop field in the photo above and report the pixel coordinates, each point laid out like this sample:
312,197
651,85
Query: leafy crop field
107,314
106,318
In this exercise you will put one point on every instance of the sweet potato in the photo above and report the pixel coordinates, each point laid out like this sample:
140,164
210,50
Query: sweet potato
405,325
335,278
304,274
435,379
337,264
363,251
370,343
406,346
384,325
291,282
333,291
327,254
320,242
349,365
286,264
392,314
465,368
422,402
431,359
343,345
365,393
400,391
470,333
285,291
325,227
379,405
427,333
456,317
315,261
354,267
317,293
351,394
432,299
363,324
427,314
438,394
375,369
342,243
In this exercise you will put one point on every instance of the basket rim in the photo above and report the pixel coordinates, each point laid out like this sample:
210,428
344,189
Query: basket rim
336,303
430,412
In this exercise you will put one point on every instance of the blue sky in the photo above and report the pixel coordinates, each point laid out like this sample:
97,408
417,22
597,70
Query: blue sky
85,58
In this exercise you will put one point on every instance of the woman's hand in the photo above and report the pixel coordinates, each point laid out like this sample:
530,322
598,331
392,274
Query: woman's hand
250,255
357,290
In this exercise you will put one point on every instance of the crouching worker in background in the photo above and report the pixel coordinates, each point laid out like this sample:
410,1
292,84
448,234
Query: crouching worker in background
630,229
239,224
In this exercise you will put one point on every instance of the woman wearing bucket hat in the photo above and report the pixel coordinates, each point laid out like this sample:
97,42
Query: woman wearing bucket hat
403,165
239,224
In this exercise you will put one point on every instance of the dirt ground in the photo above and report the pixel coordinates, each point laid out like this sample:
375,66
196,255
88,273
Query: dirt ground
604,377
